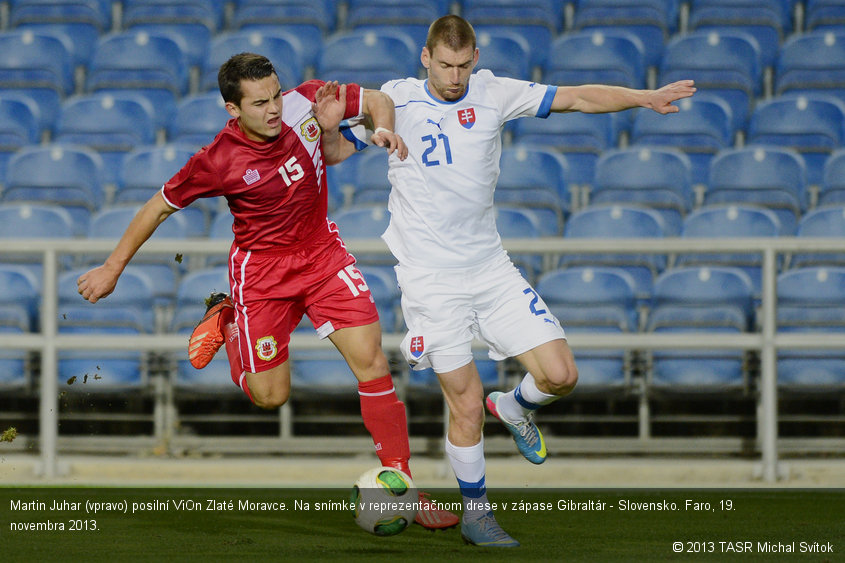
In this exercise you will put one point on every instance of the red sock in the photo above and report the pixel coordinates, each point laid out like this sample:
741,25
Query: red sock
384,417
230,333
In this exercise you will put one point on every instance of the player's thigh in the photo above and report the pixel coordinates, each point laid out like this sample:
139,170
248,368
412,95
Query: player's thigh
360,346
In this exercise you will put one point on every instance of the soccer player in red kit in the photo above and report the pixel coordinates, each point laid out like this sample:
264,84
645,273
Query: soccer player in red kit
287,259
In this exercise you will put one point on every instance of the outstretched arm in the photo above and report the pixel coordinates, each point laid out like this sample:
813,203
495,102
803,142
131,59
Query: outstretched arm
597,98
100,281
379,107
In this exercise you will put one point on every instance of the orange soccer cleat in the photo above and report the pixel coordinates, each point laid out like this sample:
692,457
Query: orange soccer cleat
207,337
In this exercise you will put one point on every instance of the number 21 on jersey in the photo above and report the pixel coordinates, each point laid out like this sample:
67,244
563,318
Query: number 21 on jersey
433,144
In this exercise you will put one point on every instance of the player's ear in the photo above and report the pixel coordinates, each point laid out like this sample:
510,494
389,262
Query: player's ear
475,57
425,57
233,109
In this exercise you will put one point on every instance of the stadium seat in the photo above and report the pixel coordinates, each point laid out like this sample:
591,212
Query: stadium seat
811,299
413,17
657,177
283,49
581,137
769,176
504,54
148,65
35,220
64,175
38,65
19,126
198,119
191,22
824,15
535,177
385,290
616,58
812,63
823,222
730,221
81,22
319,13
520,222
652,21
700,299
832,188
619,221
122,124
191,291
726,63
364,221
22,293
369,58
701,128
14,371
143,172
594,299
814,125
370,184
768,21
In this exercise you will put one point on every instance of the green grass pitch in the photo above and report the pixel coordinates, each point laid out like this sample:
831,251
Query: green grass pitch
623,525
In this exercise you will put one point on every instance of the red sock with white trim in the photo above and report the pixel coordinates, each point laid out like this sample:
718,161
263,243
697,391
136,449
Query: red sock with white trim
384,417
233,350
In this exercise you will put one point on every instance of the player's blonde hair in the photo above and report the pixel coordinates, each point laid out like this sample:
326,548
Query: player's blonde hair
454,32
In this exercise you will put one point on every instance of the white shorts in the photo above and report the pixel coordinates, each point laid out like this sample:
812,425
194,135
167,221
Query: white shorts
446,309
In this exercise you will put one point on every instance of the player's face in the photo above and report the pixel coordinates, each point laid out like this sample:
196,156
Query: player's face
448,70
260,111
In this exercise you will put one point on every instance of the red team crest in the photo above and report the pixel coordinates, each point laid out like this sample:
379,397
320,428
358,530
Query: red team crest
466,117
417,346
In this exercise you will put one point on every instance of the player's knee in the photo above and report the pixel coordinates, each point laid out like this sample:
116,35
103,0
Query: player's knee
562,378
469,415
270,398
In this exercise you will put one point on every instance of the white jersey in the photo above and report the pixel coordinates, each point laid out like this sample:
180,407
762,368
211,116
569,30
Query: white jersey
441,201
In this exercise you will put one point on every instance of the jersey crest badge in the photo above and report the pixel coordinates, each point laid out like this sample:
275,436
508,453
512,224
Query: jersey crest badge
310,129
466,117
251,176
266,348
417,346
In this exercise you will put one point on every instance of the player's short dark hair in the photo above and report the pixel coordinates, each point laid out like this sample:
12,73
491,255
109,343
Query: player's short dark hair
452,31
243,66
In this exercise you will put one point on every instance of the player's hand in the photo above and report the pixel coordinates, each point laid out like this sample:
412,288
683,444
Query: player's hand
329,105
662,98
392,142
97,283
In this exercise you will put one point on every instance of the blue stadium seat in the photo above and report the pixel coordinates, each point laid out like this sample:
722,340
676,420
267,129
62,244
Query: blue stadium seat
701,128
594,299
825,222
812,63
14,371
148,65
22,292
730,221
700,299
614,58
658,177
811,299
128,310
832,188
19,126
539,39
581,137
505,54
385,290
618,221
198,119
520,222
143,172
769,176
38,65
320,14
64,175
36,220
538,21
535,177
652,21
369,13
814,125
768,21
366,222
723,62
824,15
191,22
369,58
122,124
370,184
283,49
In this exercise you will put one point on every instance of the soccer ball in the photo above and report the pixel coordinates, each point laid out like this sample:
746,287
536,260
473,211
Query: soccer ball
384,500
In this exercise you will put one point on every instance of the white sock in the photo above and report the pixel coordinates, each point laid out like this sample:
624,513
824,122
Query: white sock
468,465
522,400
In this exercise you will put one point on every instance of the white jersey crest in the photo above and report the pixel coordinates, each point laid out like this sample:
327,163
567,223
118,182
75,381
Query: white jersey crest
441,202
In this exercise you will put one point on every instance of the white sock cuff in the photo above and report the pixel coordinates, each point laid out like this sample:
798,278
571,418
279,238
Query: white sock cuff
529,392
467,461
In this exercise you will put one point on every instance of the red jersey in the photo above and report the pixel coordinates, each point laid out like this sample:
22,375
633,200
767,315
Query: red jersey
276,190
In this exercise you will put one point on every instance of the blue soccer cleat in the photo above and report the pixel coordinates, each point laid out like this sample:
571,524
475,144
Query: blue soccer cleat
486,532
527,436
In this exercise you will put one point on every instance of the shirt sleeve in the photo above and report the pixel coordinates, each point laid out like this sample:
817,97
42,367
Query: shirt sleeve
196,179
519,98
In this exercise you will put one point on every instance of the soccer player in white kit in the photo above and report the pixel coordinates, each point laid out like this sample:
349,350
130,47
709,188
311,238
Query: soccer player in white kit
457,281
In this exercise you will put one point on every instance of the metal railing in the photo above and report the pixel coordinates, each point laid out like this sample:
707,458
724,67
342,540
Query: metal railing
767,341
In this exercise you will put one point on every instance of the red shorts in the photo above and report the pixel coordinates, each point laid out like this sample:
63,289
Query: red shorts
272,290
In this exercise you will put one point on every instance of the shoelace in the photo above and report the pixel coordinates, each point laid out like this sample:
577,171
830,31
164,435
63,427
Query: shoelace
491,528
527,431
